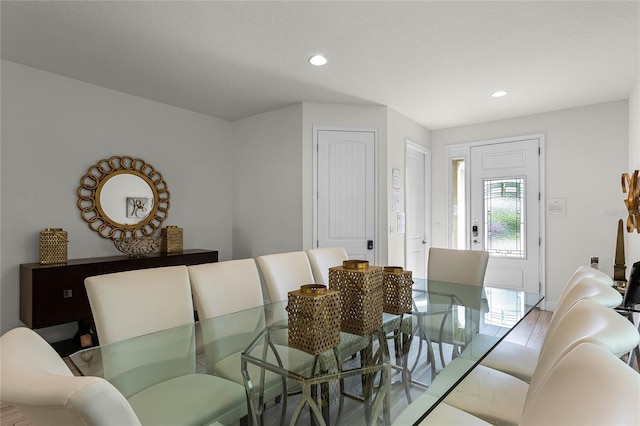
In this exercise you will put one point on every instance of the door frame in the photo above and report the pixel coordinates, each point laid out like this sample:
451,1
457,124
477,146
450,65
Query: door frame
315,169
427,200
464,151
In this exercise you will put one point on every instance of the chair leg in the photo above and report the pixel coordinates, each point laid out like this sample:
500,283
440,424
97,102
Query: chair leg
441,350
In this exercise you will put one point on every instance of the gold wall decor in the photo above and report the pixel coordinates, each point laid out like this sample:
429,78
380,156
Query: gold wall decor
53,246
122,197
171,239
633,200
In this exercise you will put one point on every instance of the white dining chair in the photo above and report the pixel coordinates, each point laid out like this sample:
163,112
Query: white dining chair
457,266
519,360
571,394
321,259
499,398
588,386
285,272
453,266
139,304
221,288
585,272
228,291
38,383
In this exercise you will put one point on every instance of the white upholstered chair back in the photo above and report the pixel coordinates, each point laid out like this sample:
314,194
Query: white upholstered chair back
572,393
284,272
520,361
134,303
139,303
40,385
457,266
501,399
585,288
585,272
585,321
321,259
224,287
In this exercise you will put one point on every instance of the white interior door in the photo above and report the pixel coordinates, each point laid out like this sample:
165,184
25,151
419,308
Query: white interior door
346,192
418,210
505,212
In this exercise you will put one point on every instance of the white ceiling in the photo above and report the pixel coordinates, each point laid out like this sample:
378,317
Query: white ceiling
436,62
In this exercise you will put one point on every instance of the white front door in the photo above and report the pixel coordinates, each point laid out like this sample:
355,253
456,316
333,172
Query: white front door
505,212
345,202
418,202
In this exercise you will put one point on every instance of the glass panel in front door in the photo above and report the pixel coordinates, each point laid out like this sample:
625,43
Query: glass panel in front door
504,225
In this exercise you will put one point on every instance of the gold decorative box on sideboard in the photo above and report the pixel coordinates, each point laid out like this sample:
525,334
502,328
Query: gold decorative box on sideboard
53,246
171,239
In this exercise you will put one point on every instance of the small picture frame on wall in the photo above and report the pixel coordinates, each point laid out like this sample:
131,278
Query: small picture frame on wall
138,207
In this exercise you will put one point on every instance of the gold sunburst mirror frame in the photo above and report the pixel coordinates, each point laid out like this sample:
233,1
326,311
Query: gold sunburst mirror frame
632,201
122,197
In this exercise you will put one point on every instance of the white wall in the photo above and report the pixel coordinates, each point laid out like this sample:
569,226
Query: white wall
55,128
633,240
586,152
245,188
268,183
242,188
400,130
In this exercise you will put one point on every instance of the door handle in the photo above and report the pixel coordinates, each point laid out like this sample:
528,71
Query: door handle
474,232
424,242
370,245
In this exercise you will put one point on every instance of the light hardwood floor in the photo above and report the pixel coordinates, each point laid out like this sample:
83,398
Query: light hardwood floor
530,332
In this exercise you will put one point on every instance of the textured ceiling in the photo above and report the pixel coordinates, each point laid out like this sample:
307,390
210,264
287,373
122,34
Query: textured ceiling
434,61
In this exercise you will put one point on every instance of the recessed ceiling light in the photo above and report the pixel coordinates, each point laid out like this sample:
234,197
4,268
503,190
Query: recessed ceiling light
317,60
499,93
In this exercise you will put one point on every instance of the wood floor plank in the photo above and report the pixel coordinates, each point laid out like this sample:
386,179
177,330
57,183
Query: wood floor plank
522,332
11,416
540,330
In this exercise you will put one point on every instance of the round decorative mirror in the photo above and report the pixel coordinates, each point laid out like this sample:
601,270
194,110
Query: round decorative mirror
123,197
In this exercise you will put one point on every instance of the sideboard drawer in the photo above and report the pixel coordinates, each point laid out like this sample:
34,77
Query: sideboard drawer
59,296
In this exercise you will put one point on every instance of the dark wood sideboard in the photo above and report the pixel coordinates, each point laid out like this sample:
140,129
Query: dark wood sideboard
55,294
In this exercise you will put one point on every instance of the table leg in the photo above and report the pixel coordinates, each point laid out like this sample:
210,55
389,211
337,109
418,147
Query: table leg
305,399
383,396
634,355
251,397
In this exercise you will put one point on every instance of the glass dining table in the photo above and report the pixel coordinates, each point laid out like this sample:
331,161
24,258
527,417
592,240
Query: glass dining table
364,380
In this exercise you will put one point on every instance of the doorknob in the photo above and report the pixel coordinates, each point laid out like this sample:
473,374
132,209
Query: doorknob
370,245
424,242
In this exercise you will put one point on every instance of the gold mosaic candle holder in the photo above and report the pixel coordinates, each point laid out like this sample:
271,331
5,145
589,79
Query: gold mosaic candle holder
361,295
314,318
397,290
